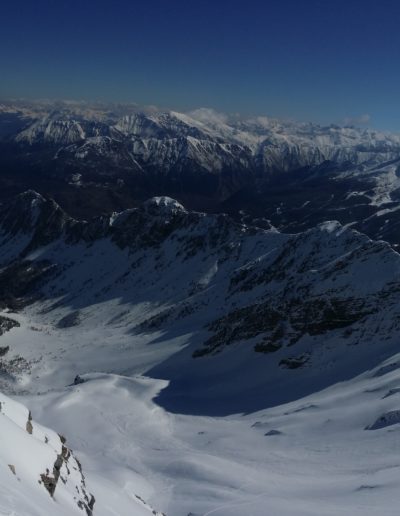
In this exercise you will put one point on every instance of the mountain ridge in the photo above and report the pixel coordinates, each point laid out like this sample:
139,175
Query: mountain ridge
165,269
97,159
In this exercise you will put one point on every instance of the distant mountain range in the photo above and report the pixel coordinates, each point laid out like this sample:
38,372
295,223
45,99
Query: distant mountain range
95,158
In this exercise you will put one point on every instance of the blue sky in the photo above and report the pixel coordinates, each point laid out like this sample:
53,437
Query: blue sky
325,61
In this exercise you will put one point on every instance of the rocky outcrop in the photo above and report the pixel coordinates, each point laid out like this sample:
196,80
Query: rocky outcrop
6,324
389,419
285,323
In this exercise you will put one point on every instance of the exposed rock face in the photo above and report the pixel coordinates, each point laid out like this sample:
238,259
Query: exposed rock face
20,282
6,324
286,323
4,350
29,426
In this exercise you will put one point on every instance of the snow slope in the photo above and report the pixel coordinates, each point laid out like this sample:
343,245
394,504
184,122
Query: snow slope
39,474
310,457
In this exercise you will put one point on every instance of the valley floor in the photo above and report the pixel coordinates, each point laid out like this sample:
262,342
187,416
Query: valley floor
312,457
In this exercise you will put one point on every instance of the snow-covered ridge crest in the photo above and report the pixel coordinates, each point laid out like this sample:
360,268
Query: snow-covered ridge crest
163,205
52,129
40,221
38,471
23,212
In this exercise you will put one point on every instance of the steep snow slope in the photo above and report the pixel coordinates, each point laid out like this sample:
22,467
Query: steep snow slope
39,474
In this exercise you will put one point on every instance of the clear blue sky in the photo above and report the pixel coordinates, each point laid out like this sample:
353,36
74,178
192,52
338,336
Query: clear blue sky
307,59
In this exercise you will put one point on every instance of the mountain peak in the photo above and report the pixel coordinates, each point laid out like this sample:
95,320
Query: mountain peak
330,226
162,205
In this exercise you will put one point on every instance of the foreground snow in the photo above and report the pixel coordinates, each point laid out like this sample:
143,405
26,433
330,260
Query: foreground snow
315,456
311,457
38,473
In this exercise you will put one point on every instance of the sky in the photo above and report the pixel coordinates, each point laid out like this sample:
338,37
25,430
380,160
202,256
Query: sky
330,61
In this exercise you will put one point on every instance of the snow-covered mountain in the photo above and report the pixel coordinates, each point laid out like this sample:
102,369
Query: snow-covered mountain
203,366
294,300
96,158
211,141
